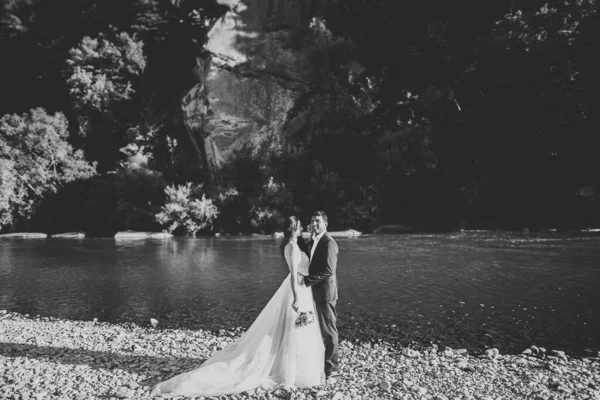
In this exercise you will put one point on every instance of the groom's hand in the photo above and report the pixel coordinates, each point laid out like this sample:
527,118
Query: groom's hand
300,278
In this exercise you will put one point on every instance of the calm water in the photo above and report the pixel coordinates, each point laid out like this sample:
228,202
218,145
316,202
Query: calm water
509,291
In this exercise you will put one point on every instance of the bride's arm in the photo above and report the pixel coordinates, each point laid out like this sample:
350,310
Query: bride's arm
295,259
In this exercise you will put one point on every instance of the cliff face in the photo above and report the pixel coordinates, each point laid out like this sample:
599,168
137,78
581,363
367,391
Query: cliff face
258,65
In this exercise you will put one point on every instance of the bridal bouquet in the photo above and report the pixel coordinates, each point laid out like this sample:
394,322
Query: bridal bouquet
305,318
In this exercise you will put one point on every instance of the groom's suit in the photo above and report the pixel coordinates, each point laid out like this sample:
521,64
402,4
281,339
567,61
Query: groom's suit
323,280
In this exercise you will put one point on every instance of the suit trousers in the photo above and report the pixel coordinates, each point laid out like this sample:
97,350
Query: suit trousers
327,320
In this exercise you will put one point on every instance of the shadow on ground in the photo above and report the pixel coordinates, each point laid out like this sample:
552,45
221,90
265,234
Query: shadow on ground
159,368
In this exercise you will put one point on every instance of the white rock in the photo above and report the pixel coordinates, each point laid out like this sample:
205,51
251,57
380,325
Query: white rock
338,396
123,393
133,385
492,353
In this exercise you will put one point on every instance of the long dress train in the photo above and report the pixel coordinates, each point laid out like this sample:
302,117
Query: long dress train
272,353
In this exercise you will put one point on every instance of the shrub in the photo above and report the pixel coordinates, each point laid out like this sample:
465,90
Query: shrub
184,214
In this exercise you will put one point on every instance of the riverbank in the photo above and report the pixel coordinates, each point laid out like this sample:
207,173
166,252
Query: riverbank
349,233
46,358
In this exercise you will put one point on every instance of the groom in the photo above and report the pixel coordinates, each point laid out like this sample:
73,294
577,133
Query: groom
322,278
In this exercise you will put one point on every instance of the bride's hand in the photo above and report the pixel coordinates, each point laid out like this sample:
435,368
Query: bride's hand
295,305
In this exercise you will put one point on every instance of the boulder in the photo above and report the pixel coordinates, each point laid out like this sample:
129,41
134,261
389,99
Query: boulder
128,235
24,235
68,235
346,233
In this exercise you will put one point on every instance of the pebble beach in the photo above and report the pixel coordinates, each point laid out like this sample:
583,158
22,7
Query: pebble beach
49,358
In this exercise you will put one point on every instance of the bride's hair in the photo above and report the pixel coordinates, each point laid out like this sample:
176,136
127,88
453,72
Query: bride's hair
289,227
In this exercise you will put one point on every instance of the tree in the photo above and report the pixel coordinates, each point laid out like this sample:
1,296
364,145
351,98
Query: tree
101,75
102,71
529,109
35,160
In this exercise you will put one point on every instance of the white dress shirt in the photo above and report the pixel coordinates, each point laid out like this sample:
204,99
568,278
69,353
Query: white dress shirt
315,242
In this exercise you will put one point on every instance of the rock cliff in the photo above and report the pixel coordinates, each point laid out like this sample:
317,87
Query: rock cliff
259,61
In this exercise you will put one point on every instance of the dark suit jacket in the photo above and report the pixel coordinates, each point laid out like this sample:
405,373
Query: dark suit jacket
321,272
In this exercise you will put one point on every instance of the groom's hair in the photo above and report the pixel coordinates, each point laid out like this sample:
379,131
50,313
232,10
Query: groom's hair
320,213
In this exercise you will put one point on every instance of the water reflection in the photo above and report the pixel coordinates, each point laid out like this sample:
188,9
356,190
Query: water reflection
485,290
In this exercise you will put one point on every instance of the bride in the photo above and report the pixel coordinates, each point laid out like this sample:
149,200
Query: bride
281,349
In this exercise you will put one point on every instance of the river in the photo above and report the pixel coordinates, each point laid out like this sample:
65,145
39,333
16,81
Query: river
471,290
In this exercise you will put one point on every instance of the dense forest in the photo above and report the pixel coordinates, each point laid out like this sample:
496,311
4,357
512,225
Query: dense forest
446,115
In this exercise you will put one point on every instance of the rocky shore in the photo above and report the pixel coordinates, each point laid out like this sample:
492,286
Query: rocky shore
47,358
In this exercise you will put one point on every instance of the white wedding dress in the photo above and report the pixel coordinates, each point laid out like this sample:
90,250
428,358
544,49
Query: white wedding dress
272,353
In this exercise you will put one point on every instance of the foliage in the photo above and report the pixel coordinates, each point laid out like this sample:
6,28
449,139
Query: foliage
36,161
267,212
10,192
418,112
535,108
146,139
101,70
140,194
232,206
349,204
182,213
101,76
158,19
